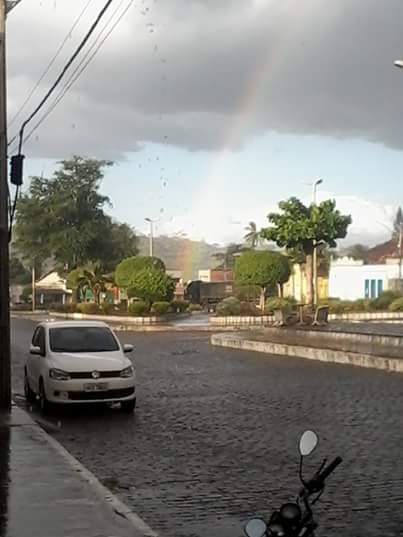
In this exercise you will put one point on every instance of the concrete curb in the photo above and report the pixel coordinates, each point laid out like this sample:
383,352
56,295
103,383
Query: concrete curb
239,342
117,506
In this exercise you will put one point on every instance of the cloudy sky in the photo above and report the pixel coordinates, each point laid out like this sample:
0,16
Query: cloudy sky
214,110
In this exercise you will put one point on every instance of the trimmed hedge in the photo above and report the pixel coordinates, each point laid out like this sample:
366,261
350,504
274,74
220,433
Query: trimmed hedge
88,308
229,306
179,306
160,308
138,309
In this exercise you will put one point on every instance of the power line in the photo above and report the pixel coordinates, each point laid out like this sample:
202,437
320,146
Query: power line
49,66
78,72
65,69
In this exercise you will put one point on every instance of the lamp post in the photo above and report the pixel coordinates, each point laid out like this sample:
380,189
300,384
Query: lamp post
151,236
315,250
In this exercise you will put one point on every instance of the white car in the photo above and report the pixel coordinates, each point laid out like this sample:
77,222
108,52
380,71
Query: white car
79,362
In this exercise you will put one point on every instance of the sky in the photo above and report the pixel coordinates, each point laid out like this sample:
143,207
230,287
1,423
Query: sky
215,110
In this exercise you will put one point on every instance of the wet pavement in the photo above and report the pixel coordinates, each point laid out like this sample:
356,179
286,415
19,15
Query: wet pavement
214,437
41,494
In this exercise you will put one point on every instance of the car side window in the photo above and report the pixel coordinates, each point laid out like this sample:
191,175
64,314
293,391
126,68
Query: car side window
38,339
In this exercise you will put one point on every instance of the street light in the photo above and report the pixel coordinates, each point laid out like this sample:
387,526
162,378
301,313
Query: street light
151,222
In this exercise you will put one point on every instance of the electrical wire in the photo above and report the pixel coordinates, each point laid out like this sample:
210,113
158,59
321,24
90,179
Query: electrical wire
78,72
49,66
61,75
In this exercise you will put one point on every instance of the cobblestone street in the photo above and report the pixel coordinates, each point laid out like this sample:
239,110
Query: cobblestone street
214,437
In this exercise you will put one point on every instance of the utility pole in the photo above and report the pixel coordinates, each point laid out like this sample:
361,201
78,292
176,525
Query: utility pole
400,253
5,350
33,289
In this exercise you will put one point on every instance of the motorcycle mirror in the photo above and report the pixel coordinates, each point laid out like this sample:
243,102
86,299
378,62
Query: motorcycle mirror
308,442
255,528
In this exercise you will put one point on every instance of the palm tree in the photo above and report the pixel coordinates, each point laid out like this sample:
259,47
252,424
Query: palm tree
252,237
91,277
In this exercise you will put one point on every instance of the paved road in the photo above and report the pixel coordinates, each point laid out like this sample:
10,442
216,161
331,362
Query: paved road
214,438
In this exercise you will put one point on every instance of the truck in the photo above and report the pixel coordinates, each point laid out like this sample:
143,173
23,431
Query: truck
208,294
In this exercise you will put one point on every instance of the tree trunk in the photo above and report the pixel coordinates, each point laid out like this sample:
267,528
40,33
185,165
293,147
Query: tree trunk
280,289
309,279
262,298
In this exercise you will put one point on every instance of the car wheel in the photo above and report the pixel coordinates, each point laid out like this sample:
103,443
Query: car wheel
43,402
128,406
30,395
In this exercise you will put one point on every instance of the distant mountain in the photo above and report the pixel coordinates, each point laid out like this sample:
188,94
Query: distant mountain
182,254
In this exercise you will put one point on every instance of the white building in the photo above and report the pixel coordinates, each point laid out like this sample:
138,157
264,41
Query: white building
350,279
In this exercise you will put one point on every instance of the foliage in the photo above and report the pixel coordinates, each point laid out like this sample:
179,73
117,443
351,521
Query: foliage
126,271
19,275
160,308
229,306
245,293
151,285
357,251
107,308
250,310
179,306
91,277
88,308
278,303
263,269
26,294
252,237
299,228
138,308
396,305
193,308
384,300
228,257
63,218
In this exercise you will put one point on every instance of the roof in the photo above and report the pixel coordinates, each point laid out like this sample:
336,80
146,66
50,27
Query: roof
66,324
380,252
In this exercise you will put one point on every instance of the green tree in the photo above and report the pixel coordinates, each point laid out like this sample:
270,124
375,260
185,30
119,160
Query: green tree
92,277
127,270
19,275
263,269
357,251
63,218
252,236
305,228
151,285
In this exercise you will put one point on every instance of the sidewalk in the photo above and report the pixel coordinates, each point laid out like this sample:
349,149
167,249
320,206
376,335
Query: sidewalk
45,492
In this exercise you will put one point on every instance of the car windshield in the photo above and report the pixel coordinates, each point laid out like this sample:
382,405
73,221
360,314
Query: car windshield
82,339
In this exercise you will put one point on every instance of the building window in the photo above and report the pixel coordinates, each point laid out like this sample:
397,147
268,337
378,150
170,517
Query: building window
380,287
366,288
373,288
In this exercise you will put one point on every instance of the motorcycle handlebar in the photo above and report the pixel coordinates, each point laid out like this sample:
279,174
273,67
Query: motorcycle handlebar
329,469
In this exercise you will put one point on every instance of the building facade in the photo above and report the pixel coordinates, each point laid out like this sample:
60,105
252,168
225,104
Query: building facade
350,279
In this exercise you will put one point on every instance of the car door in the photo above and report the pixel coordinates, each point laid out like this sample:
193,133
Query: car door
34,364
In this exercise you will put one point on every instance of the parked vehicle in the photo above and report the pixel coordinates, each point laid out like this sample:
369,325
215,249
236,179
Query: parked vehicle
74,362
294,519
208,294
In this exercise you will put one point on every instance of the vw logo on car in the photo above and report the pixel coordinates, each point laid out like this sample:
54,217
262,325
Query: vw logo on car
96,374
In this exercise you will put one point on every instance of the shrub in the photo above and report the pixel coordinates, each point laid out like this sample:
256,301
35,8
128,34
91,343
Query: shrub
138,309
229,306
362,304
384,300
179,306
397,305
107,308
249,309
194,307
88,308
160,308
277,303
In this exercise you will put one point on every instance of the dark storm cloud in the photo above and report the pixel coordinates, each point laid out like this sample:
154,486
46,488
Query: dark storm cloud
202,74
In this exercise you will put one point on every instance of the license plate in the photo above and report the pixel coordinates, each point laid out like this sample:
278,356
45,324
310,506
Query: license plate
96,387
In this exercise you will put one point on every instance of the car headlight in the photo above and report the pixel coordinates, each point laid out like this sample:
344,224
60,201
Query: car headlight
59,374
127,372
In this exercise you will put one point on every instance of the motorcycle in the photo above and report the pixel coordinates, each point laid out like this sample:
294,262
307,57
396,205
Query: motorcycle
297,519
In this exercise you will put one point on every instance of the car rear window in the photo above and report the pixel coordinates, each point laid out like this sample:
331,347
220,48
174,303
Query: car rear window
82,339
